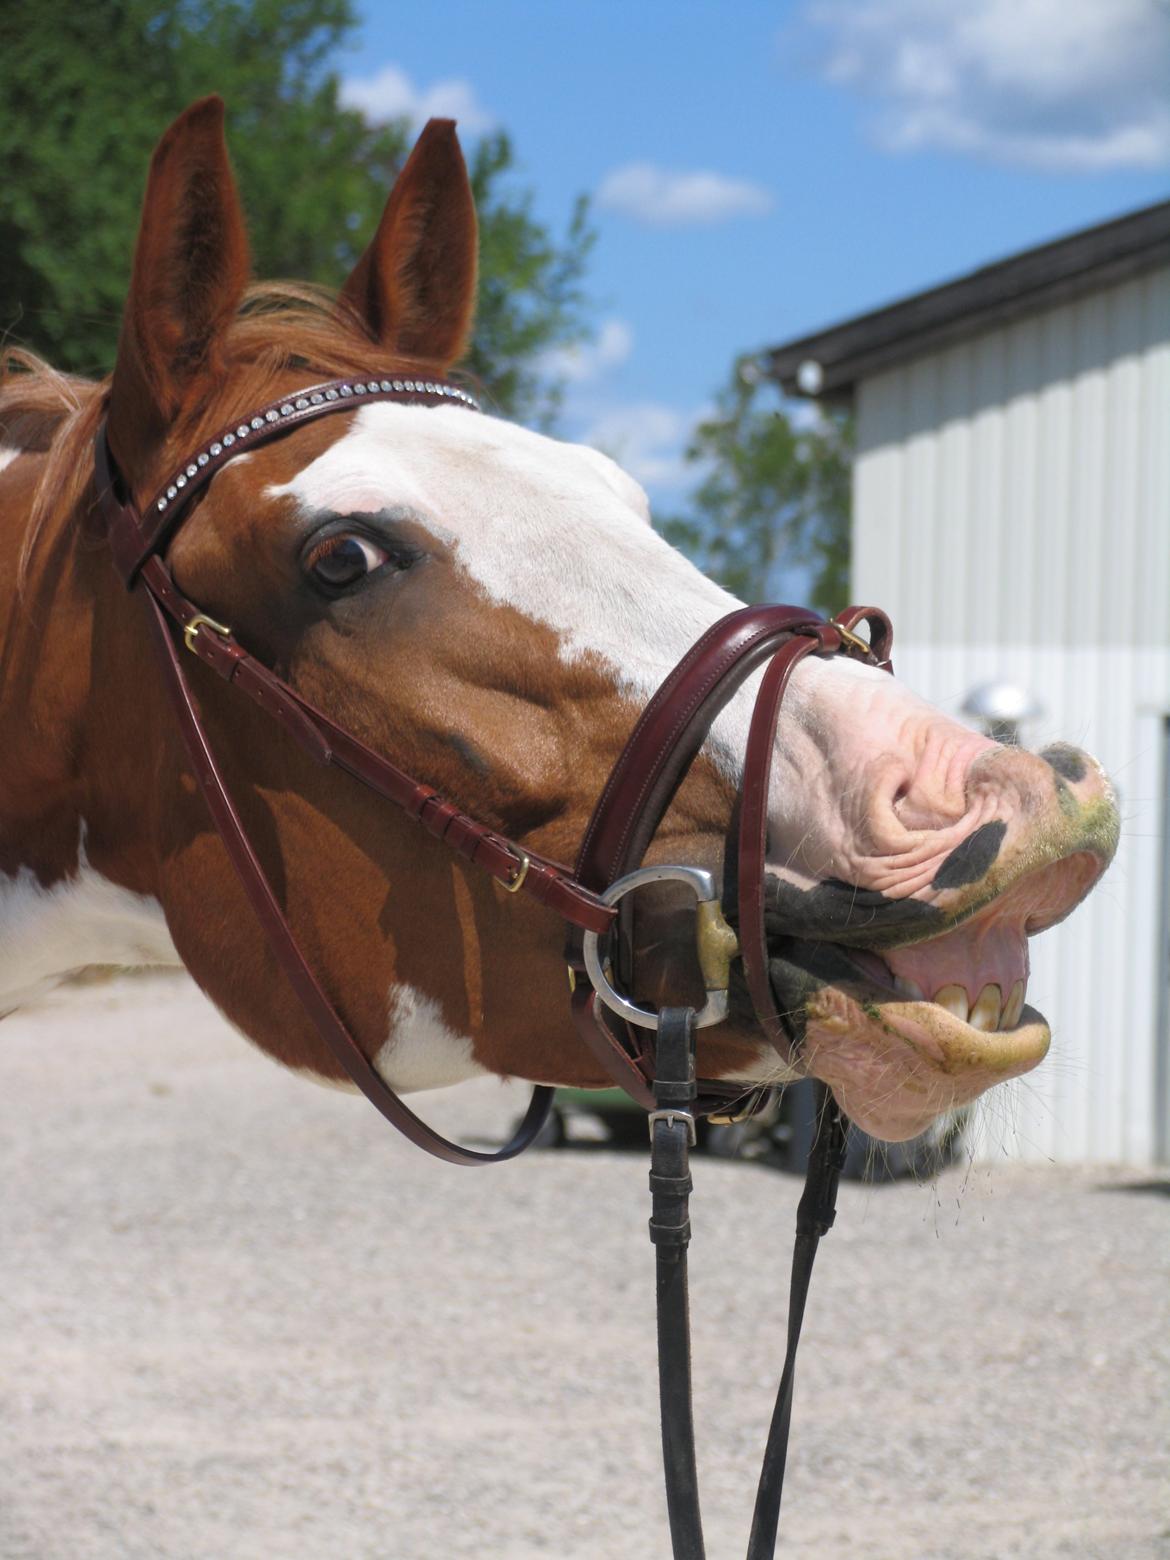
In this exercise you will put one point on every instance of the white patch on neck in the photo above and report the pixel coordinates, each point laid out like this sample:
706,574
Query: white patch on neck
422,1052
8,455
48,933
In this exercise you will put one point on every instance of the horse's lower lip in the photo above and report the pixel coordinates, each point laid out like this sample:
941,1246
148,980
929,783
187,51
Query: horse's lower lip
894,1064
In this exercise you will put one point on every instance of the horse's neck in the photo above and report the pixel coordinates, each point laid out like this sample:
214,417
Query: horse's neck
82,918
58,911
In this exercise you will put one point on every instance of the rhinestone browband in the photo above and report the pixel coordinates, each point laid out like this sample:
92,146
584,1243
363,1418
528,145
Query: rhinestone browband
161,515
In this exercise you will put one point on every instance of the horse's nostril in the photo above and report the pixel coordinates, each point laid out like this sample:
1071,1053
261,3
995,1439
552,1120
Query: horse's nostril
1068,761
970,860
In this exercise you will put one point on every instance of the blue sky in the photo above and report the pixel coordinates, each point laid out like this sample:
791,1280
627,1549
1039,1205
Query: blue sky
759,170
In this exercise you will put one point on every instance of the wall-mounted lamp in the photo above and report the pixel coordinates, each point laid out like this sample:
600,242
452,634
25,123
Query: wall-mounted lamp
1001,708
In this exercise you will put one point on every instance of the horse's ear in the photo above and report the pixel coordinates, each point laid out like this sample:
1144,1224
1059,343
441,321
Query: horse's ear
414,288
190,270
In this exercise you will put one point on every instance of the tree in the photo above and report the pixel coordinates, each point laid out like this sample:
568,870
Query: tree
774,492
88,89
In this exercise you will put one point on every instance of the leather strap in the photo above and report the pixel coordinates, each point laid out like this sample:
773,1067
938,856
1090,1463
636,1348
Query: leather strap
282,940
658,752
657,755
671,1129
829,638
136,536
671,1136
815,1216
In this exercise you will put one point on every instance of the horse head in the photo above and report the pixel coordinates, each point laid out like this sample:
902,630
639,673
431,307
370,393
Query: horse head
492,608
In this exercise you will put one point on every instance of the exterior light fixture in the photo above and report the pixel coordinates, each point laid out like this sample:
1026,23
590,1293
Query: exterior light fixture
1000,709
810,376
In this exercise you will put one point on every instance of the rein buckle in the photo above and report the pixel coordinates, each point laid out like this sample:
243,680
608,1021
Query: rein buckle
674,1117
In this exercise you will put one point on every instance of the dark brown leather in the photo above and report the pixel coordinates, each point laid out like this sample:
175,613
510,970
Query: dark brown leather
328,1022
753,831
757,776
671,730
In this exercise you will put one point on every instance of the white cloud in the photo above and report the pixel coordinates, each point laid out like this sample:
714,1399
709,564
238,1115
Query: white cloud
590,360
662,198
649,440
390,94
1057,84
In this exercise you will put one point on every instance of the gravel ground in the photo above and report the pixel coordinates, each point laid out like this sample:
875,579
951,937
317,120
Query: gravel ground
241,1320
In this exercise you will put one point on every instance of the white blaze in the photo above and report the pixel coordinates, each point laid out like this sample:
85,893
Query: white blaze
557,531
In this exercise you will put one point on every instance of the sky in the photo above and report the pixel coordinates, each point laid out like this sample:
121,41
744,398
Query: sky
757,171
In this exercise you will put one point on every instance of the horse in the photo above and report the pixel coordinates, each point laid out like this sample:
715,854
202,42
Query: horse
491,607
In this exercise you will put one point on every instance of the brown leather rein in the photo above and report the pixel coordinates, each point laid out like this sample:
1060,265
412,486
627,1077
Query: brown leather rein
660,750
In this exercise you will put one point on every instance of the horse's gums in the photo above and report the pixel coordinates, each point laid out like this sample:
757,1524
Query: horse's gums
504,665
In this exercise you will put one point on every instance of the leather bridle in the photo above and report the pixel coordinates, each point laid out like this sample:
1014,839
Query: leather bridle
659,752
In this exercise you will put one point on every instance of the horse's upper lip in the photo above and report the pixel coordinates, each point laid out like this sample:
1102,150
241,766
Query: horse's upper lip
1042,887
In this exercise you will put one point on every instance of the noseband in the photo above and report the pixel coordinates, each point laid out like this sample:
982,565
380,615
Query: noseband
649,1054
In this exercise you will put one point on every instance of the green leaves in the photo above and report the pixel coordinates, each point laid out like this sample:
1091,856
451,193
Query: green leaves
772,493
89,89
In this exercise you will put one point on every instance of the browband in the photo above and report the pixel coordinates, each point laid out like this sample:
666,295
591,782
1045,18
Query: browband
154,527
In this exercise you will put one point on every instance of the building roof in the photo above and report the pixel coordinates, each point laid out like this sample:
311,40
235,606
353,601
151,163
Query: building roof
829,363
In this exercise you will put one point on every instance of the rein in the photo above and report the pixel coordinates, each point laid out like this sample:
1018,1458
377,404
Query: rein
649,1054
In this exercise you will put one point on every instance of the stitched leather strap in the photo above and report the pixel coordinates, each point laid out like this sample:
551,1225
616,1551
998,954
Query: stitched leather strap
657,754
328,1022
827,638
135,537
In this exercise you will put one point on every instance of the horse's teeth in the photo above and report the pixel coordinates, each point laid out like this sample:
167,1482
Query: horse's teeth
1014,1006
908,988
985,1014
954,999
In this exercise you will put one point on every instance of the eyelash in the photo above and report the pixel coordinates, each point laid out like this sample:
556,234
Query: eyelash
376,556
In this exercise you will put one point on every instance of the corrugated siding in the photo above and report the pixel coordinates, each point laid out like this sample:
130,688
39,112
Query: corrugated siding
1012,512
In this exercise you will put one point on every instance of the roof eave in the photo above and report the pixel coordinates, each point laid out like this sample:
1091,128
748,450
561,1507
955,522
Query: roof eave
828,364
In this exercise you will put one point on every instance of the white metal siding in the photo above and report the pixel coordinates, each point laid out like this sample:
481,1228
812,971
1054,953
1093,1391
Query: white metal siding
1012,513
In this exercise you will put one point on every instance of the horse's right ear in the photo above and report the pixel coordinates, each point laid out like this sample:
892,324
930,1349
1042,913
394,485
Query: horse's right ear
190,270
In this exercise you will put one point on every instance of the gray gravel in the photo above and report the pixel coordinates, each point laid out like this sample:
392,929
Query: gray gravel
240,1320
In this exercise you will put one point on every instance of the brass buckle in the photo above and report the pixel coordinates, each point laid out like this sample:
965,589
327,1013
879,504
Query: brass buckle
201,620
852,641
517,882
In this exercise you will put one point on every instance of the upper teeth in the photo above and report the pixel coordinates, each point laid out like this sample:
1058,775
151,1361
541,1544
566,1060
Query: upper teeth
985,1013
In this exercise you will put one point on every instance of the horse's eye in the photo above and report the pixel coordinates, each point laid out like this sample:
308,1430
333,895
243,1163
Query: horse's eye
344,560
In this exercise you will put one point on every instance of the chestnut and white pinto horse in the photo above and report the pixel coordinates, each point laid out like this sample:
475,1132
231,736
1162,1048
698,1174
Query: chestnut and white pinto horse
491,608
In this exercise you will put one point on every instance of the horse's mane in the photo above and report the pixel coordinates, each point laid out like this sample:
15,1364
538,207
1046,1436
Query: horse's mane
280,326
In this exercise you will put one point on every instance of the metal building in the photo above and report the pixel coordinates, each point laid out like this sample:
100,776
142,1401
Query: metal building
1012,513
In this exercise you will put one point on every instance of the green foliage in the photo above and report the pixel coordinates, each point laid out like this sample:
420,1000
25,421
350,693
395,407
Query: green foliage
531,294
88,89
773,494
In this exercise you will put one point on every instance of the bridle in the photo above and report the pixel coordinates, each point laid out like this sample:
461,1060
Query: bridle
649,1054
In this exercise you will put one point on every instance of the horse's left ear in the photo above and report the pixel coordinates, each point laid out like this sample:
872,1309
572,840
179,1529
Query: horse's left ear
414,288
190,270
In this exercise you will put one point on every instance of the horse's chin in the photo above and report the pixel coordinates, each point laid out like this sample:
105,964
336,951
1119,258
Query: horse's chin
895,1063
